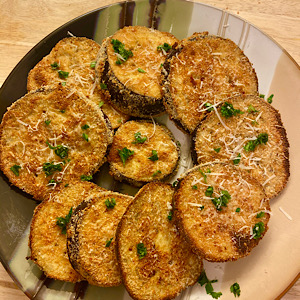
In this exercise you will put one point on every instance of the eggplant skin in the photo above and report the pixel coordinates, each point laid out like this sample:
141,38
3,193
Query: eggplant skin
127,101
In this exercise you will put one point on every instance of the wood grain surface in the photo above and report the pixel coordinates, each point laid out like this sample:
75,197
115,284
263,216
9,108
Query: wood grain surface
23,23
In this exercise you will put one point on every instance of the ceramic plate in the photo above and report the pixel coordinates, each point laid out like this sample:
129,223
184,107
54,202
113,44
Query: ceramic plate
274,263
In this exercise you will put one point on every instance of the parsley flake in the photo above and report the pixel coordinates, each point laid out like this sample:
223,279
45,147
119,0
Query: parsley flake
204,174
50,168
270,98
235,289
203,280
138,139
141,70
222,200
237,160
251,109
165,47
217,149
63,74
54,66
227,110
60,150
194,187
261,139
154,156
124,154
209,106
141,250
85,136
85,126
110,203
62,222
238,209
209,191
170,215
260,215
101,103
93,64
156,173
108,242
103,86
86,177
120,49
47,122
15,169
258,229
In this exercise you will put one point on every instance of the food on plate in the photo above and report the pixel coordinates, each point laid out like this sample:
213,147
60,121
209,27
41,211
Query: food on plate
91,237
47,239
52,136
143,151
201,71
155,260
221,210
247,132
129,66
72,63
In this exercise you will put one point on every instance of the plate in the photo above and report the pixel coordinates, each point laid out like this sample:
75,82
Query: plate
278,74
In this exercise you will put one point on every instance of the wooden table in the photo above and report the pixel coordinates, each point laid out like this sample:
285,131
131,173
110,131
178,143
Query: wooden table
24,23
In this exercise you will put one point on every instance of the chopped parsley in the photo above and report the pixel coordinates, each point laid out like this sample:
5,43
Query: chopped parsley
194,187
170,215
209,191
227,110
93,64
62,222
258,229
62,111
138,139
110,203
108,242
63,83
156,173
103,86
54,66
101,103
120,49
50,168
261,96
85,136
154,156
85,126
59,150
66,185
222,200
174,184
141,250
204,174
261,139
52,181
164,47
203,280
217,149
260,215
86,177
235,289
238,209
47,122
251,109
178,144
141,70
15,169
270,98
63,74
237,160
209,107
124,154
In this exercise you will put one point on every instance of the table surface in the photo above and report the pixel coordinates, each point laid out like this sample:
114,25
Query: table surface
24,23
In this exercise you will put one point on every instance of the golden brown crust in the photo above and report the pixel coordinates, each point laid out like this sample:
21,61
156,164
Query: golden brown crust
91,238
77,56
204,69
139,169
218,232
46,240
268,163
134,85
53,115
169,265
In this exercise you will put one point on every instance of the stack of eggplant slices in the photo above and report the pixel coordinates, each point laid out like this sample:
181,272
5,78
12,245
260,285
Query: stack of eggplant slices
88,104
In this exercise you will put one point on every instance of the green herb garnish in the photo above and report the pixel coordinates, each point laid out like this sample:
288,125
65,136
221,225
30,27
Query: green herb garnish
170,215
237,160
54,66
194,187
261,96
270,98
50,168
174,184
15,169
227,110
235,289
63,83
251,109
209,107
217,149
203,280
138,139
59,150
103,86
120,49
261,139
86,177
258,229
101,103
62,111
63,74
141,250
108,242
209,191
93,64
156,173
238,210
260,215
204,174
141,70
124,154
164,47
85,126
85,136
110,203
154,156
222,200
62,222
47,122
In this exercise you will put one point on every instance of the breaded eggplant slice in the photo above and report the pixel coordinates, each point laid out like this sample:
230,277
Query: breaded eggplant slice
91,237
130,68
52,136
47,240
72,62
222,211
156,262
246,131
201,71
143,151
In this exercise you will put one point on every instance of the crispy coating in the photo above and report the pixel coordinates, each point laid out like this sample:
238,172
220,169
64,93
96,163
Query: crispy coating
142,166
47,243
222,231
77,56
168,266
91,238
268,163
204,69
45,141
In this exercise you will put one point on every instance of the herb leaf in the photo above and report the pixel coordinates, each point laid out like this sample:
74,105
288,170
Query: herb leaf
103,86
154,156
237,160
86,177
59,150
62,222
209,106
124,154
110,203
85,136
54,66
164,47
258,229
238,209
141,70
120,49
156,173
251,109
63,74
141,250
50,168
222,200
139,139
15,169
260,215
235,289
85,126
227,110
261,139
108,242
93,64
47,122
209,191
170,215
217,149
208,285
270,98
